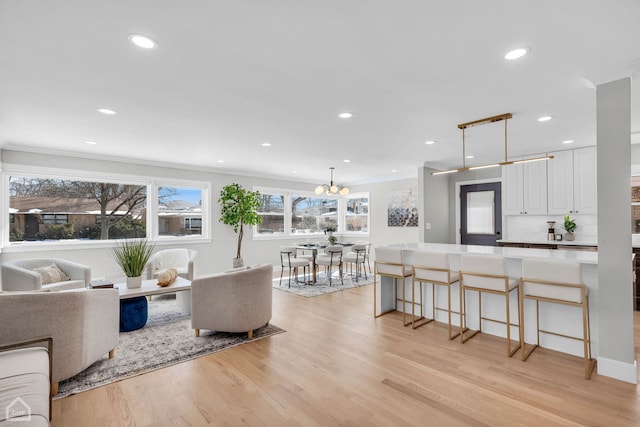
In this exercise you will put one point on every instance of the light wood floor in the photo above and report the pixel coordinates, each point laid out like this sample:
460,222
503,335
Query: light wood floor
336,365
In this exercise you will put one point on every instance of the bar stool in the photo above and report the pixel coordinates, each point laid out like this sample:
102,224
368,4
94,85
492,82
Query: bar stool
357,256
433,267
486,274
389,262
558,282
288,260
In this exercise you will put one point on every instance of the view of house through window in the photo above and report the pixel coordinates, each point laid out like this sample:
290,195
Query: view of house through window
44,209
294,213
313,214
272,212
357,215
179,211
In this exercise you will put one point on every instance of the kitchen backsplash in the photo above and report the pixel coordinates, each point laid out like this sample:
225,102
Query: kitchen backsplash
534,227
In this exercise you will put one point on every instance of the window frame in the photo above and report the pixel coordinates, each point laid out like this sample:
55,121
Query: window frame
341,214
152,184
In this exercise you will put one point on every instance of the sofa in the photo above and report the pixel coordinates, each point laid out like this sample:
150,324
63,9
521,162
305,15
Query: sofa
37,274
82,322
25,383
236,301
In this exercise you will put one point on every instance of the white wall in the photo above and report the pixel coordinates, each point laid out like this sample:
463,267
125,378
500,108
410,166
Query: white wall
213,256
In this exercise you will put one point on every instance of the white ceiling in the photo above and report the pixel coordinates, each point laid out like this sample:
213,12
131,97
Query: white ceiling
229,75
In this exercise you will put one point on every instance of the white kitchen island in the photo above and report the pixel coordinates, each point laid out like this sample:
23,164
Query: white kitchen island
564,319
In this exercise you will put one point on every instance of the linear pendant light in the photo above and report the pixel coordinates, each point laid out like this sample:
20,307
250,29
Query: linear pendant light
492,119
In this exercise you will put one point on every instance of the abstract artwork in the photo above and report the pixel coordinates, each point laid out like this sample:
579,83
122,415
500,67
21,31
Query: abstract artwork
402,208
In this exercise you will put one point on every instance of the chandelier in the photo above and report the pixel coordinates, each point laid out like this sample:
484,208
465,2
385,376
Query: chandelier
332,188
505,162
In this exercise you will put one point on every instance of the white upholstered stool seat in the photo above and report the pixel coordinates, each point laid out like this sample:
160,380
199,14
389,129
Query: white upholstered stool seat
558,282
487,274
432,267
389,262
289,261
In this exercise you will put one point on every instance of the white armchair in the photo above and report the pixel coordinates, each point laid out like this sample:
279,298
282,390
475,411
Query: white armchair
31,275
182,259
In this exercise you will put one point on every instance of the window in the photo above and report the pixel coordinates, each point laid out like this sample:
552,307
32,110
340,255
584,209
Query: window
272,212
296,213
50,207
313,214
55,218
357,214
179,211
93,210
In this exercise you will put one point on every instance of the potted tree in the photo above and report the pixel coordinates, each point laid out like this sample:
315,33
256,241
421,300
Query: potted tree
132,257
569,226
239,207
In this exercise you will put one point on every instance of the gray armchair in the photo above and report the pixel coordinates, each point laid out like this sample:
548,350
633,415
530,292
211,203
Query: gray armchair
82,322
236,301
21,275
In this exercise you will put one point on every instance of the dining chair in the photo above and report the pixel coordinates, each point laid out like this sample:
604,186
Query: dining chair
357,257
331,257
288,260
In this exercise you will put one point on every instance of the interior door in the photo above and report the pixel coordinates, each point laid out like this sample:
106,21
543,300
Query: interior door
480,214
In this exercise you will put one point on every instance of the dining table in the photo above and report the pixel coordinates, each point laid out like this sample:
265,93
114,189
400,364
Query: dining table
314,247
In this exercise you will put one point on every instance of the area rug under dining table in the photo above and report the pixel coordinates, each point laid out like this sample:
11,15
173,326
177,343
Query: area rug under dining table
321,286
167,339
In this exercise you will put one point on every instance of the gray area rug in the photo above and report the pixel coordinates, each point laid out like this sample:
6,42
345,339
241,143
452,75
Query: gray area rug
167,339
321,286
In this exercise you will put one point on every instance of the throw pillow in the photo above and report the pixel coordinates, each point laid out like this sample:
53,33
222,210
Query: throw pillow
51,274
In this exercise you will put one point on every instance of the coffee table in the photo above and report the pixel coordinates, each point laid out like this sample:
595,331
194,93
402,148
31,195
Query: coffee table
133,301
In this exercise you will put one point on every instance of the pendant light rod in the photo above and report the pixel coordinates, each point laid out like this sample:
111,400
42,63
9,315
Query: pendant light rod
506,160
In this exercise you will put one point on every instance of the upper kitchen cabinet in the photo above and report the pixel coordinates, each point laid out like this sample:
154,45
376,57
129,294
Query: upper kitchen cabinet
572,184
525,188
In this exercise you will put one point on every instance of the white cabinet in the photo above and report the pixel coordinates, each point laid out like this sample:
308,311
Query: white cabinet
525,188
572,185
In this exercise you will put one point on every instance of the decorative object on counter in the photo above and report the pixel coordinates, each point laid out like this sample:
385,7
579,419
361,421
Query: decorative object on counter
167,277
132,257
332,188
238,207
569,226
559,237
551,235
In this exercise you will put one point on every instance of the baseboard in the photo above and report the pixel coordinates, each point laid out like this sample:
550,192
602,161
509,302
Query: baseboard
618,370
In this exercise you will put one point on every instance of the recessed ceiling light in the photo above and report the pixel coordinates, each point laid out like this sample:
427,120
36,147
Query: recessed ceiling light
394,170
347,161
142,41
430,142
544,118
517,53
470,156
568,141
346,115
220,161
107,111
294,171
90,142
266,144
